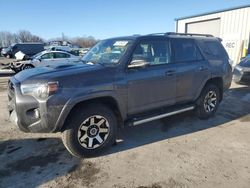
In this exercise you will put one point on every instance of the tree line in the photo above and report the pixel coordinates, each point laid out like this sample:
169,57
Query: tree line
7,38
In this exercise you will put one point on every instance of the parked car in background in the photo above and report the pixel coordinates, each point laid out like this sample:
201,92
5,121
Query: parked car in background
44,58
241,73
83,51
2,49
59,48
125,80
29,49
70,49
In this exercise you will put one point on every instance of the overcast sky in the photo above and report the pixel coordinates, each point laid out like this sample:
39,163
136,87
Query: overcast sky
101,18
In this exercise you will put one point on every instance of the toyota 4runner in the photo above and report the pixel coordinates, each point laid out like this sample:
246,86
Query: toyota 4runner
121,81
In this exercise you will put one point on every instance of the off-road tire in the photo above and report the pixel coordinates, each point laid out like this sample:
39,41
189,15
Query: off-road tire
71,133
201,110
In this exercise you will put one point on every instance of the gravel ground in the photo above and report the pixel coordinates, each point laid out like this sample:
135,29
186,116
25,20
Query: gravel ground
181,151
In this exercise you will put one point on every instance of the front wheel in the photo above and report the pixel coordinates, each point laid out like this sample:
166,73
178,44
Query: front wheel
90,131
27,67
208,102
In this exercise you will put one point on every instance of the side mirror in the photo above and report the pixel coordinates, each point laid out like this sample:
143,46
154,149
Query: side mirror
138,64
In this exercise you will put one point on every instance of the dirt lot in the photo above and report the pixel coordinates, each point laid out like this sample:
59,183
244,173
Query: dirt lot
180,151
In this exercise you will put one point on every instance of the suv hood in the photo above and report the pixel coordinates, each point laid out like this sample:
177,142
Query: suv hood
58,69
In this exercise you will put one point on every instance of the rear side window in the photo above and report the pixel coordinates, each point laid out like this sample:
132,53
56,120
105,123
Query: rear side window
61,55
185,50
215,50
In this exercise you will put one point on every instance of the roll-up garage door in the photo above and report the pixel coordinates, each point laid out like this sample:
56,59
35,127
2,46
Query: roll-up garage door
205,27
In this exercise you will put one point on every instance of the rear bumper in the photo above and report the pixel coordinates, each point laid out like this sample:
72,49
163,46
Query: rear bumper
31,115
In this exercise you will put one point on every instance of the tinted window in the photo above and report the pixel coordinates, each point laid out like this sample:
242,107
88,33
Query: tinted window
185,50
215,49
61,55
153,52
47,56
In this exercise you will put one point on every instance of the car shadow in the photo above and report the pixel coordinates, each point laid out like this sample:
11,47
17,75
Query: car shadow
37,161
33,162
235,105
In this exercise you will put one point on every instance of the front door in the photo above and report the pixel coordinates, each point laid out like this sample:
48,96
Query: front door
153,85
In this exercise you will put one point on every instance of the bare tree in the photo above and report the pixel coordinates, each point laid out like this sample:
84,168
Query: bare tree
84,42
26,36
7,38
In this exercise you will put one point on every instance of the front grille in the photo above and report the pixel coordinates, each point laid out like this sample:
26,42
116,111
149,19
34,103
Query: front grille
246,73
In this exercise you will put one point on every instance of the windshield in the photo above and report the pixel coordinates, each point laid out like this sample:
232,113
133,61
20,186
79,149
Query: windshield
245,62
107,51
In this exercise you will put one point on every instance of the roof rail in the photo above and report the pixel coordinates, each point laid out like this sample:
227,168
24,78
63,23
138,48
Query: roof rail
188,34
157,34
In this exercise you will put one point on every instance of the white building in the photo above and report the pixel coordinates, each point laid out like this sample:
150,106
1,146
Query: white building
231,25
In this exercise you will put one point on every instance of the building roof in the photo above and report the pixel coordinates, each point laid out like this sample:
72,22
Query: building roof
213,12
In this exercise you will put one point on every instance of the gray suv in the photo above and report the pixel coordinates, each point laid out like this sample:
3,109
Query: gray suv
121,81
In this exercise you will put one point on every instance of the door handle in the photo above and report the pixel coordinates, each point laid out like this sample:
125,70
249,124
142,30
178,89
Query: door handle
170,72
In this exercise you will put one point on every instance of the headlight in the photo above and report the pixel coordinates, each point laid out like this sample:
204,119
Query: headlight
40,91
239,68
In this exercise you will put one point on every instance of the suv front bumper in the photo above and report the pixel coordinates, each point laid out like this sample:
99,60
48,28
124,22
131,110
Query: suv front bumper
31,115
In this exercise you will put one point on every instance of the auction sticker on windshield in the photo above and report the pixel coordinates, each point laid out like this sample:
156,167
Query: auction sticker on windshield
121,43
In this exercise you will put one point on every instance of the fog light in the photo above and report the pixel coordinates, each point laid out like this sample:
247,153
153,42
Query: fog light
36,113
33,113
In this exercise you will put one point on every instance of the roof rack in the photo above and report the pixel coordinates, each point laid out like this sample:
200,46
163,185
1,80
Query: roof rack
188,34
157,34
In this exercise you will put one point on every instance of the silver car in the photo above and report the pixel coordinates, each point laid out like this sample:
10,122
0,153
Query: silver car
44,58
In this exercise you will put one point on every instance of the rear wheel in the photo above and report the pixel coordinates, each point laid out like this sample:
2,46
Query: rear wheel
90,131
208,102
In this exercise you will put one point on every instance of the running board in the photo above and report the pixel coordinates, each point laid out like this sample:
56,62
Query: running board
138,122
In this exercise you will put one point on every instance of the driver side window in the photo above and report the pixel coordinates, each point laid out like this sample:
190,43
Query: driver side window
153,52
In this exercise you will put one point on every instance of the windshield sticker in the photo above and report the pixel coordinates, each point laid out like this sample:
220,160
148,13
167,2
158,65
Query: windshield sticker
121,43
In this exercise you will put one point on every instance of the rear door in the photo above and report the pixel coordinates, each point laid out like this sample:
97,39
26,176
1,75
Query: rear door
61,57
152,86
191,68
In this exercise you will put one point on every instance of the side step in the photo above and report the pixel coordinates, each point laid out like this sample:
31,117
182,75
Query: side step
160,116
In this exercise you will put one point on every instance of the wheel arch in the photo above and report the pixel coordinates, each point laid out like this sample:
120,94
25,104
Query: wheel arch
106,101
28,64
217,81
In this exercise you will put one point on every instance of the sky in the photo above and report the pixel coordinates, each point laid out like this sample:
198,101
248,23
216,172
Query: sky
101,18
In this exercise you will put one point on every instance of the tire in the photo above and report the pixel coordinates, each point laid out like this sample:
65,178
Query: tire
208,102
27,67
83,136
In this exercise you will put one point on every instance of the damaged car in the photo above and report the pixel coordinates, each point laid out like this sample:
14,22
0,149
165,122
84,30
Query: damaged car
44,58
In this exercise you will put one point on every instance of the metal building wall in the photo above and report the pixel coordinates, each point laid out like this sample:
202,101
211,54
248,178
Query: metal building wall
234,29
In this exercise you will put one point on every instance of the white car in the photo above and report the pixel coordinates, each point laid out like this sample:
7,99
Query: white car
45,58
